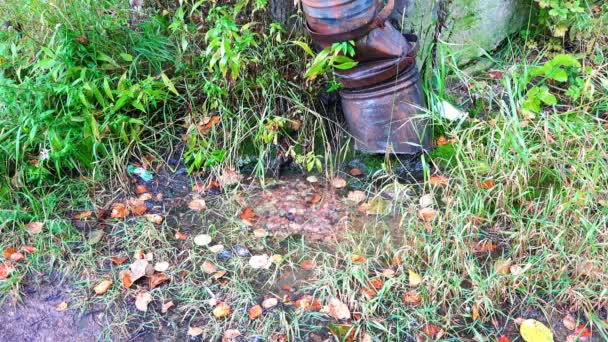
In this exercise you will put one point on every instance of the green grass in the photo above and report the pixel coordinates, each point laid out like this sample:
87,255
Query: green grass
545,208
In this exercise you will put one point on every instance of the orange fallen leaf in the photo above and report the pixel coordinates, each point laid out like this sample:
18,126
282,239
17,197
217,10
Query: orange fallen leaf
34,227
337,309
427,214
198,205
102,287
475,312
118,260
502,266
154,218
582,331
431,330
221,310
307,264
140,189
142,300
166,306
438,181
247,214
119,210
484,246
28,249
137,206
255,312
376,283
158,278
316,198
487,184
83,215
442,140
357,259
180,236
12,254
198,188
495,74
370,293
6,268
125,277
308,303
504,338
412,297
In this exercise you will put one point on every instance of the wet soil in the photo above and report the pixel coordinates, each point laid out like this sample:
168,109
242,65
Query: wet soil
37,318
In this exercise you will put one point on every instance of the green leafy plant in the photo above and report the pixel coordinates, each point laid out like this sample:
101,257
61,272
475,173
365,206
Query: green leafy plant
338,56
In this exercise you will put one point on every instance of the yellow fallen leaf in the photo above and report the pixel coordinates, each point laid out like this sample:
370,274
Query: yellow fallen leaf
61,307
532,330
414,278
102,287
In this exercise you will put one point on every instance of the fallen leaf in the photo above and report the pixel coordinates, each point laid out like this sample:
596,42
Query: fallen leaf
145,197
154,218
475,311
316,198
312,179
495,74
441,141
6,268
142,300
412,297
166,306
375,206
157,278
161,266
180,236
396,260
83,215
254,312
532,330
308,303
516,270
504,338
338,183
229,177
140,268
119,210
369,293
95,236
582,331
198,188
569,322
118,260
427,214
502,266
389,273
34,227
230,335
307,264
125,277
414,278
197,205
439,181
216,248
336,309
61,307
426,201
484,246
356,196
195,331
270,303
276,258
141,189
12,254
357,259
221,310
102,287
376,283
431,330
209,267
260,261
247,214
202,240
355,172
343,332
487,184
219,274
260,233
28,249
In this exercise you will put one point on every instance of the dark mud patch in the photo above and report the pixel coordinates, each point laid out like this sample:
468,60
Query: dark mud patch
37,318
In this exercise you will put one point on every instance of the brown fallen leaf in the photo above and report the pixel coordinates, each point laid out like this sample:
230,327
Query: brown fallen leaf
229,177
140,268
136,206
369,293
221,310
336,309
34,227
119,210
13,254
142,300
484,246
118,260
154,218
487,184
376,283
308,303
431,330
6,268
338,183
356,196
166,306
102,287
307,264
355,172
195,331
140,189
475,312
441,141
61,307
502,266
357,259
412,297
180,236
199,188
83,215
157,278
495,74
427,214
209,267
439,181
198,205
569,322
316,198
255,312
28,249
